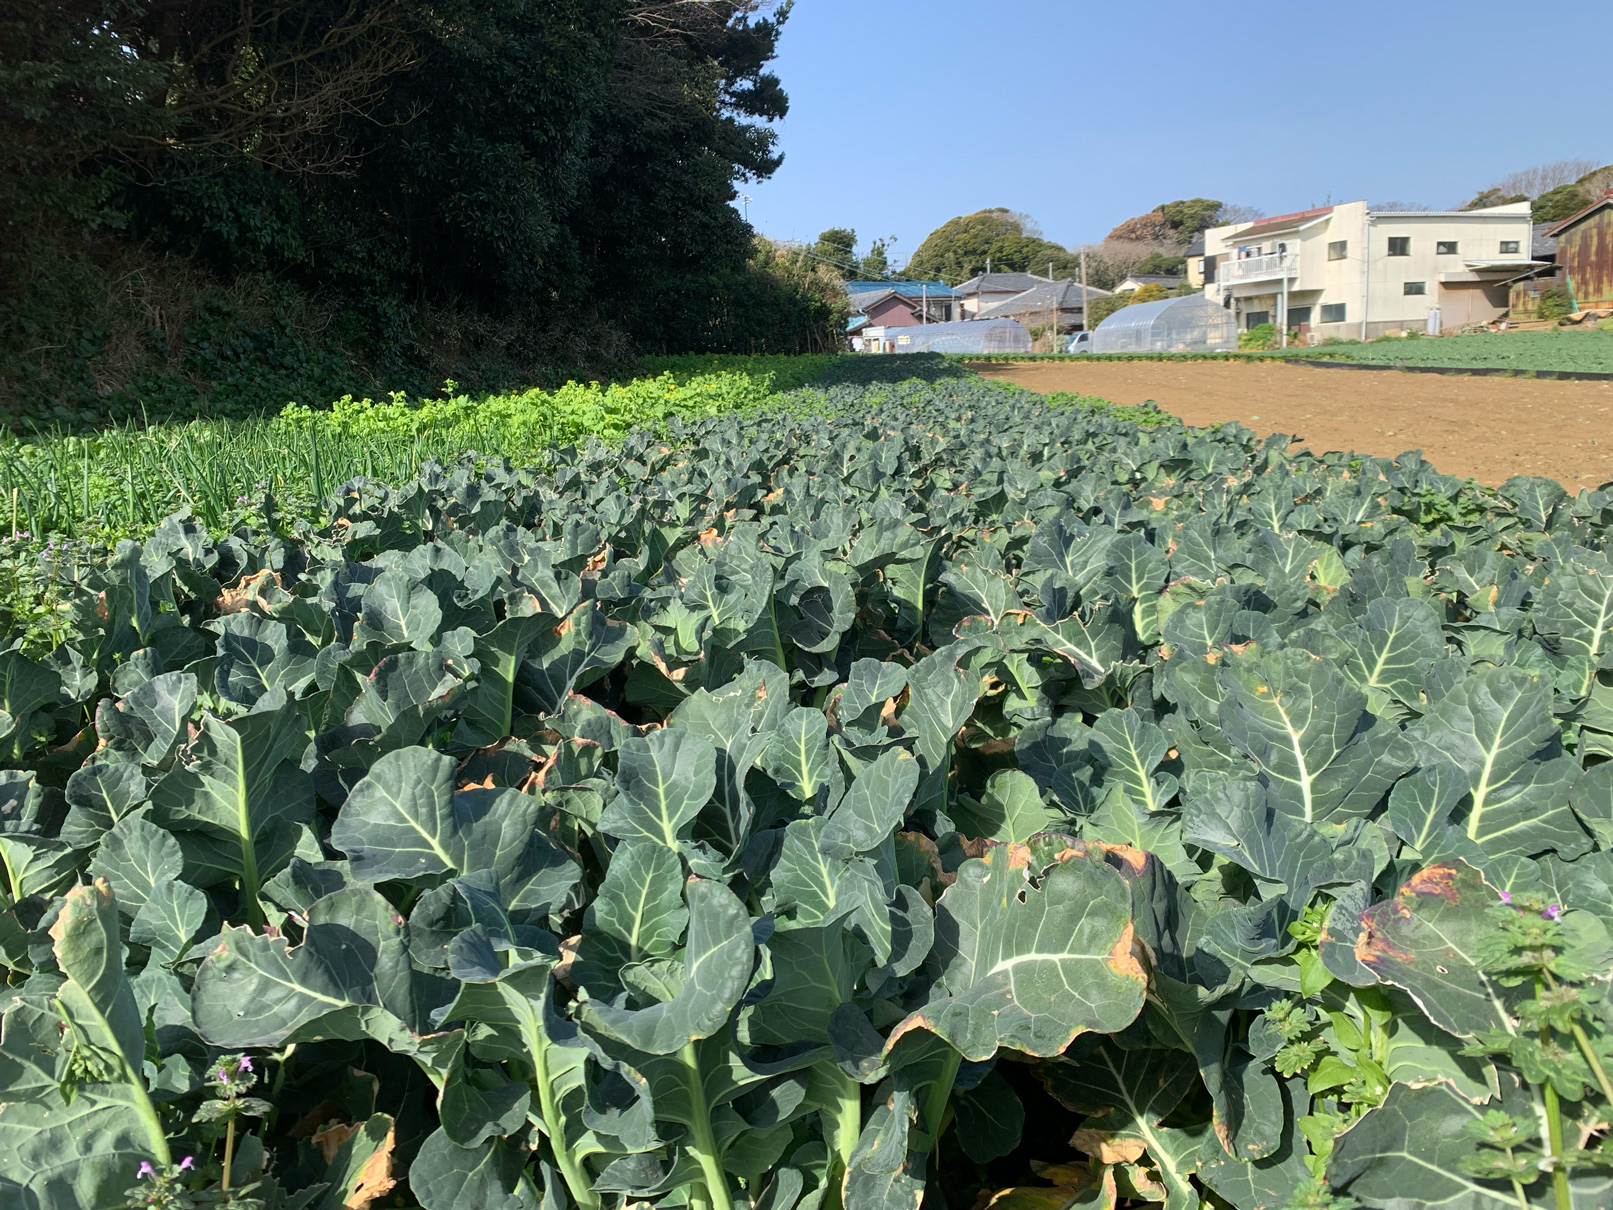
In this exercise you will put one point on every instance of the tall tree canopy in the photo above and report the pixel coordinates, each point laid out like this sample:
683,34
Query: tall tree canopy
962,247
1554,191
1176,222
563,161
836,249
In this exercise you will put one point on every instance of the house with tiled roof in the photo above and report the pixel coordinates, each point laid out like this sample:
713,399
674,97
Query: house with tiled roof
986,289
1041,303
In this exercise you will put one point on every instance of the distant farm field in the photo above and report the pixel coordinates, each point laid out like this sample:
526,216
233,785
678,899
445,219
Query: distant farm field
1521,352
1489,428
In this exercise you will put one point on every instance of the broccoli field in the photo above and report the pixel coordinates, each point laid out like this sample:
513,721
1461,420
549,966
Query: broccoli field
893,797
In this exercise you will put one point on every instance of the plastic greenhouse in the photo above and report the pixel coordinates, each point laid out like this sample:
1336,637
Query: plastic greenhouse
1191,324
961,336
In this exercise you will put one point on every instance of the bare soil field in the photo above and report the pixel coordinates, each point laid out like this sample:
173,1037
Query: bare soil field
1486,428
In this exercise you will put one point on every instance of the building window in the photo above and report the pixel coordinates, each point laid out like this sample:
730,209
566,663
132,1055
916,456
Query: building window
1332,313
1208,265
1253,319
1298,316
1445,247
1400,245
1338,249
1414,287
1509,247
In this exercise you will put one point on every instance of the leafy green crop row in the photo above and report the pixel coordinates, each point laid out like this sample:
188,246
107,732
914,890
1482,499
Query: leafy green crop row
71,497
123,480
78,486
1521,352
785,371
1208,355
699,821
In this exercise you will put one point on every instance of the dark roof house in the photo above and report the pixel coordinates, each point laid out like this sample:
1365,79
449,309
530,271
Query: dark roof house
984,289
998,283
1038,303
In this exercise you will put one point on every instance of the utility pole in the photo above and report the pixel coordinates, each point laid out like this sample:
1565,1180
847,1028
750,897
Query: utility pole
745,201
1053,298
1366,269
1086,299
1284,304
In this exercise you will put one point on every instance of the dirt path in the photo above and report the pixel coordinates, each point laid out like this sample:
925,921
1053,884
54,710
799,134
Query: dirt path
1488,428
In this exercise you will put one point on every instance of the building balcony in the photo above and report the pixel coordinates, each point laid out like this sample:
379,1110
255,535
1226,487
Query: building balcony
1258,268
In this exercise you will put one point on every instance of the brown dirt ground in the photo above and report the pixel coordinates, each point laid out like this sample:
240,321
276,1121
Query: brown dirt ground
1486,428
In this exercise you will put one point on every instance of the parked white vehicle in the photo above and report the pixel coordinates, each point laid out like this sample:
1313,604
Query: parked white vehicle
1081,342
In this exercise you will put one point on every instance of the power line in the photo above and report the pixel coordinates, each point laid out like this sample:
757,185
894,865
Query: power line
853,266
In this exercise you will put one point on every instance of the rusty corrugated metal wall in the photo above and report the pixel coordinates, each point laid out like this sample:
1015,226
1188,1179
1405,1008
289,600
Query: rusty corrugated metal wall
1585,251
1524,302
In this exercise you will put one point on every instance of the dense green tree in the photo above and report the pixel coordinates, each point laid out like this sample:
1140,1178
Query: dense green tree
1159,262
1173,222
1150,228
876,264
1104,306
1108,304
1554,205
961,247
1486,198
1188,218
1597,181
1551,187
836,248
532,166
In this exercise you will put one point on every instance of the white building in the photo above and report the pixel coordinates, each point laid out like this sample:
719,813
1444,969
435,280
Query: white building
1352,272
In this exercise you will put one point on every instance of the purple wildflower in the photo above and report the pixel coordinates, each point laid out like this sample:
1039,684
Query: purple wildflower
146,1170
1554,911
188,1162
223,1076
1506,896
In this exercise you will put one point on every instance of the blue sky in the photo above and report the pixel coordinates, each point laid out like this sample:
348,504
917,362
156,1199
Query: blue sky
1082,114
